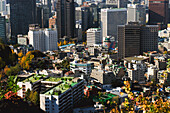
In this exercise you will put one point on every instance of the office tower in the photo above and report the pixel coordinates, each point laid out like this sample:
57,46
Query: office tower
43,39
134,39
158,12
2,28
93,36
42,15
149,38
93,16
65,18
136,13
82,15
22,13
48,4
110,18
128,40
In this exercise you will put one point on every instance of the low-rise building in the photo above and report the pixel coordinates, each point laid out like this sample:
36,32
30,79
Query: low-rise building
83,66
32,82
104,77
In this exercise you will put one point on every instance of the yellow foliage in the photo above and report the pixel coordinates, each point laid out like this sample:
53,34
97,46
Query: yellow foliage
20,54
59,44
6,69
65,42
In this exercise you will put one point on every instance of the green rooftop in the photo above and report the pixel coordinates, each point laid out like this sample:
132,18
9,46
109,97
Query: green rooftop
66,84
52,79
104,97
34,78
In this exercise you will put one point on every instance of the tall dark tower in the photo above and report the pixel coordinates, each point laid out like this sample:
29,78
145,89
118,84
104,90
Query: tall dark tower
65,18
158,12
22,13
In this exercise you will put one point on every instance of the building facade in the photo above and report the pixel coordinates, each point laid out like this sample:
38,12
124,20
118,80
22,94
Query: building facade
62,97
158,12
43,39
94,36
149,38
3,28
110,18
22,13
134,39
65,18
128,40
136,13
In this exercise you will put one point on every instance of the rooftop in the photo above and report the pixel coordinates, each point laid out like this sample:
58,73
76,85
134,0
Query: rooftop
136,58
67,83
34,78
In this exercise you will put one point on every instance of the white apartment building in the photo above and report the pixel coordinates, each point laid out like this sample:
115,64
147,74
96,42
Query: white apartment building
32,82
94,36
43,39
110,19
62,97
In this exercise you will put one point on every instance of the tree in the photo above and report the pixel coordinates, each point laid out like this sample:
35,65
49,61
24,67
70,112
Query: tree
20,54
59,44
33,97
65,42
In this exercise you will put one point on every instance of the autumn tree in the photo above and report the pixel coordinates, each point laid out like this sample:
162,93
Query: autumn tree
59,44
65,42
34,97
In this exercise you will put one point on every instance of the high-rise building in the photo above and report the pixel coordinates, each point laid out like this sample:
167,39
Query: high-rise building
43,39
93,16
134,39
158,12
94,36
22,13
149,38
136,13
110,18
42,15
82,15
65,18
2,28
48,4
128,40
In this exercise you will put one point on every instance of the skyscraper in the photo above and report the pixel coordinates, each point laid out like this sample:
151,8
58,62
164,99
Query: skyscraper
158,12
48,4
65,18
128,40
134,39
22,13
2,28
110,18
136,13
